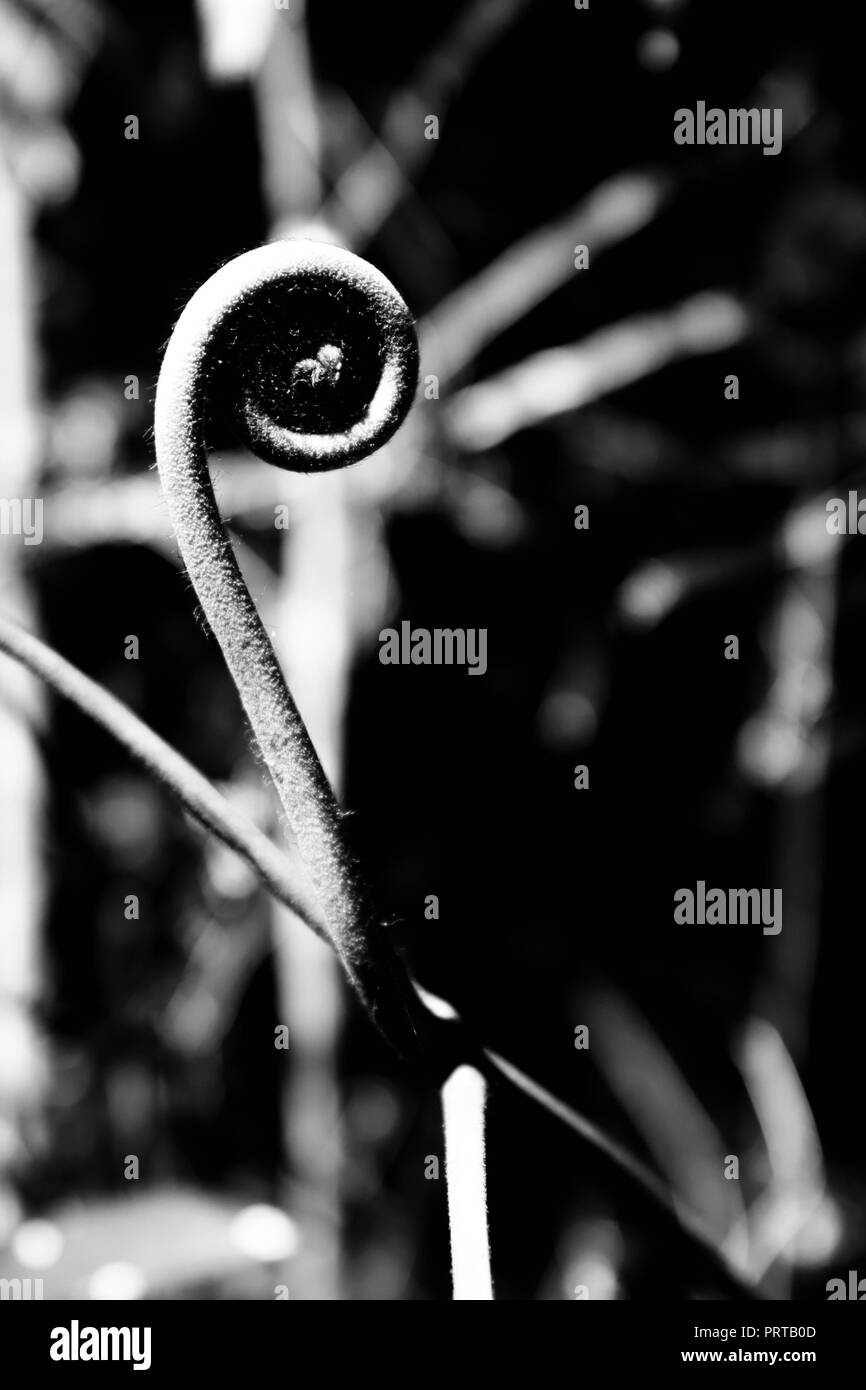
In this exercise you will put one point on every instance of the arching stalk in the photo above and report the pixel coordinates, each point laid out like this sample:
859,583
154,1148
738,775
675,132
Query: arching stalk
283,342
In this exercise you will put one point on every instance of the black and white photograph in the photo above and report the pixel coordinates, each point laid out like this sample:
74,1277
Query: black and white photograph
432,696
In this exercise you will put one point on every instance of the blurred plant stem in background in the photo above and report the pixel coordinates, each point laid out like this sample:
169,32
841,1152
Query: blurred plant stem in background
312,642
558,380
785,746
679,1133
21,871
389,167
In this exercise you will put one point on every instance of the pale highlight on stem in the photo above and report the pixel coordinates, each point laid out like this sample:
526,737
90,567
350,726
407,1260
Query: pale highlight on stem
464,1096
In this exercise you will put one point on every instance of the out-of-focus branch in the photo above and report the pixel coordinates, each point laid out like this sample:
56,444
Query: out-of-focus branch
561,379
22,1062
796,1197
530,270
679,1133
376,181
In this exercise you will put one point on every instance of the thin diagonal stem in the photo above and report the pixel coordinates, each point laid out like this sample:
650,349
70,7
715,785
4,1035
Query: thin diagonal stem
686,1230
285,880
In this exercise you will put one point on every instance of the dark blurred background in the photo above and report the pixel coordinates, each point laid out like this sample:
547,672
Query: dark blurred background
153,1036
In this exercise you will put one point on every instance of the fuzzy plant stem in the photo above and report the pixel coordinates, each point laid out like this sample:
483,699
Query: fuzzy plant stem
205,360
464,1096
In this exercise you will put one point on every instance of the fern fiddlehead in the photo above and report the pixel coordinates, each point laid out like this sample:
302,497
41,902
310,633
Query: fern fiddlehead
311,354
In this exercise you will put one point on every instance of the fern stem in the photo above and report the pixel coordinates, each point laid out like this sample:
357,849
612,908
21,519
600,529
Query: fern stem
220,352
